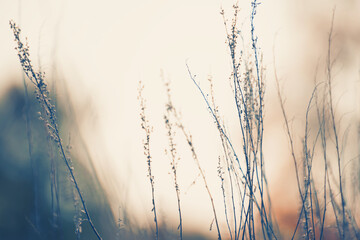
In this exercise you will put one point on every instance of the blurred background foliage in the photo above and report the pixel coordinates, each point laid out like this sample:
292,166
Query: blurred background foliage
38,200
30,213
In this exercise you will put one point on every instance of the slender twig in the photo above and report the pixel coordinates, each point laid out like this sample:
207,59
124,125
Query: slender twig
147,129
245,176
173,153
332,115
189,140
221,176
228,158
303,194
286,121
49,116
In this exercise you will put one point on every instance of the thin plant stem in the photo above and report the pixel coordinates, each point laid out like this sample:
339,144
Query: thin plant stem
173,153
332,115
147,129
37,78
231,147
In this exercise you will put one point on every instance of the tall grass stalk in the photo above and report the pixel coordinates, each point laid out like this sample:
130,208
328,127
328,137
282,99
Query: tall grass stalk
312,214
222,179
249,92
146,143
248,88
190,143
329,65
230,170
169,111
48,115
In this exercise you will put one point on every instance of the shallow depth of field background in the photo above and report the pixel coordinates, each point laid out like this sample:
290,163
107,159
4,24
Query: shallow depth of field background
99,51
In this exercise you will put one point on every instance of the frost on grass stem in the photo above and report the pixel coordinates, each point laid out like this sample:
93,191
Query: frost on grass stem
48,114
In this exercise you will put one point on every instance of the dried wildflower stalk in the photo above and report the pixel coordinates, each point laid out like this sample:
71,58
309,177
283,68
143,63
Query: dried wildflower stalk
48,111
171,111
248,85
312,216
169,124
148,129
